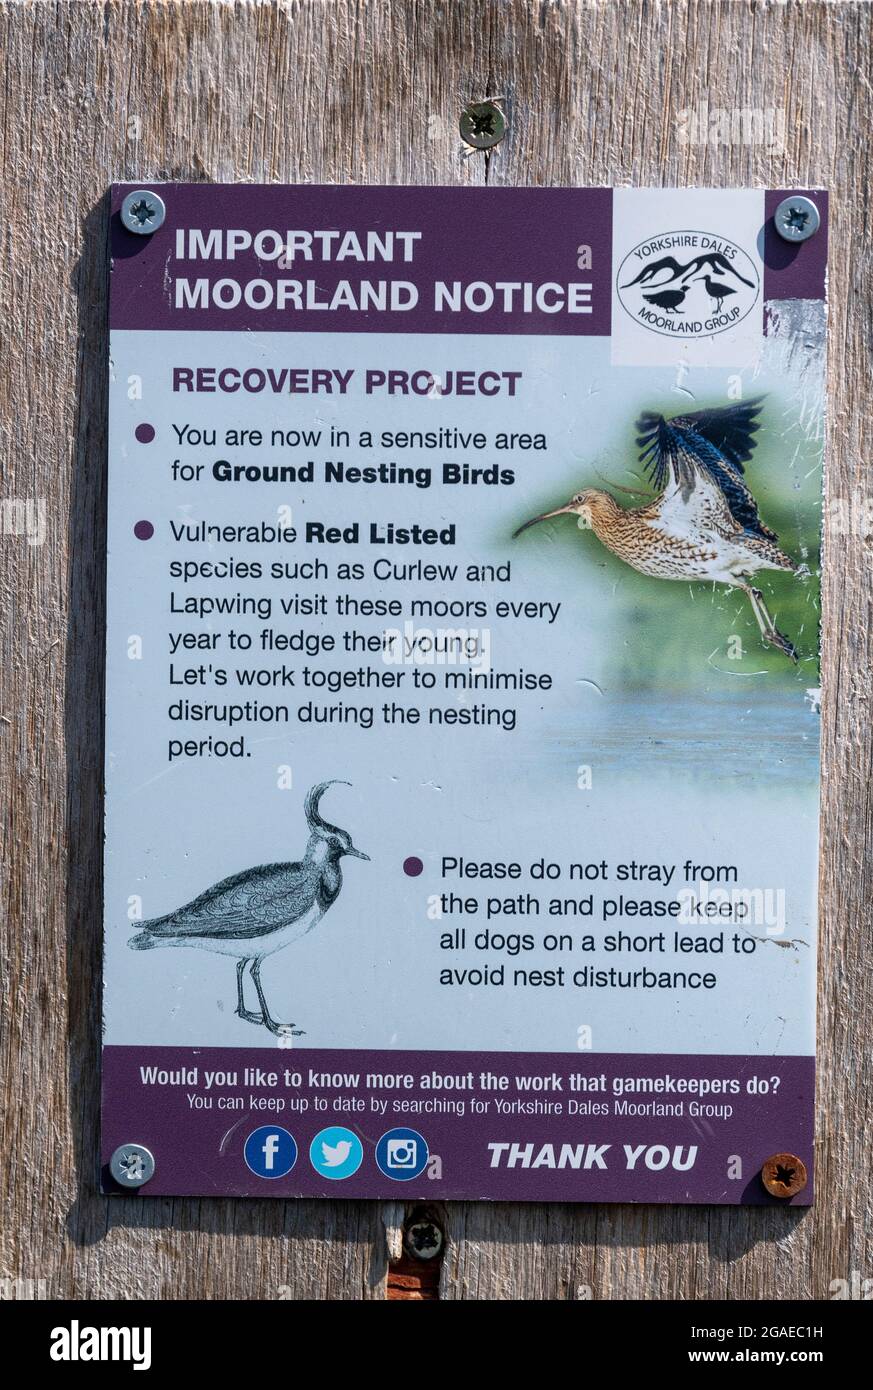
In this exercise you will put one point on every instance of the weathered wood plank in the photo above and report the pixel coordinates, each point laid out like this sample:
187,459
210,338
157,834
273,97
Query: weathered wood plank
370,93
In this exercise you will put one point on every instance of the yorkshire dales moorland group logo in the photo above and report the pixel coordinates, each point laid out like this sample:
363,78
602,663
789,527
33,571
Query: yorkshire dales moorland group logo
687,284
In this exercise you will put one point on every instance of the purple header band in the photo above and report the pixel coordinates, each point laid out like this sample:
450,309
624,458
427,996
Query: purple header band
755,1107
474,237
469,235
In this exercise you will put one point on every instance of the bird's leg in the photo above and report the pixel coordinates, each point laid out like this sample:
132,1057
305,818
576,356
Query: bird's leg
241,1009
772,633
285,1029
769,630
754,595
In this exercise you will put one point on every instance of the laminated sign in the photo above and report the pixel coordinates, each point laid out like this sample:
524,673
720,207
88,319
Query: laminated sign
462,745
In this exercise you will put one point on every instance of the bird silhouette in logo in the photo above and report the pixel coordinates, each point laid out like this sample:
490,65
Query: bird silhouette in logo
667,299
678,288
334,1155
257,912
717,292
704,523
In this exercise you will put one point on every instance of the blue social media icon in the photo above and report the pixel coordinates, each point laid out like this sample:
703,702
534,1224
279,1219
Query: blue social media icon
402,1154
270,1152
336,1152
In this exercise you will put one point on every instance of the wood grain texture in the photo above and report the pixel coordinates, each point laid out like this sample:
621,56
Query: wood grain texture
349,91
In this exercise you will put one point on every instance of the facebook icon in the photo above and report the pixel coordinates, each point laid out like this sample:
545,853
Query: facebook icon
270,1152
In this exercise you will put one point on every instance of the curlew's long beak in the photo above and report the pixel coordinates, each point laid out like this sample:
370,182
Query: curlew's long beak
559,511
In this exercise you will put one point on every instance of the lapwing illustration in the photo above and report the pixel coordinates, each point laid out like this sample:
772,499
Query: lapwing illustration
255,913
704,523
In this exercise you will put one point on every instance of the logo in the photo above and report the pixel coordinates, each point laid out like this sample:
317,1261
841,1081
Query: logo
270,1152
77,1343
336,1152
402,1154
687,284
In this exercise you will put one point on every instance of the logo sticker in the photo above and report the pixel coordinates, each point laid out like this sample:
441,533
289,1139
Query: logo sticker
402,1154
336,1152
687,284
270,1152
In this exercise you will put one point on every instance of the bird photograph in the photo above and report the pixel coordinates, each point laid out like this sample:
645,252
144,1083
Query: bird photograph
253,914
703,523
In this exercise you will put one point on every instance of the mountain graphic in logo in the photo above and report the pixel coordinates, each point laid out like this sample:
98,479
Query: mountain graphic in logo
708,290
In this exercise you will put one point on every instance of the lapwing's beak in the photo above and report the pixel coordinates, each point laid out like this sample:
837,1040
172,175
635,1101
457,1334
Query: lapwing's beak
559,511
358,854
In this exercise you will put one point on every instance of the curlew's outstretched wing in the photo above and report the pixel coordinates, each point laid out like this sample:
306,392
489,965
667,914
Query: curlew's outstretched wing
710,445
246,904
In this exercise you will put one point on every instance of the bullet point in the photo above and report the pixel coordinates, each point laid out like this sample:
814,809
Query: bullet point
412,866
143,530
145,433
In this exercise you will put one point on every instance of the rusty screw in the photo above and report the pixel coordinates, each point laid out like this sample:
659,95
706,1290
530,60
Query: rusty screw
482,125
423,1239
784,1175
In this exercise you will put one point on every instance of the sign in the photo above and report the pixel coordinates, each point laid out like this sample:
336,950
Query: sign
462,693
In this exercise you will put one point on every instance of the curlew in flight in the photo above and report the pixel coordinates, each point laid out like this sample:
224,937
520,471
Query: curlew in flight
704,522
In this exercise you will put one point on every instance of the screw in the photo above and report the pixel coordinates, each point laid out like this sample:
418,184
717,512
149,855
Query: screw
143,212
423,1239
784,1175
482,125
797,219
132,1165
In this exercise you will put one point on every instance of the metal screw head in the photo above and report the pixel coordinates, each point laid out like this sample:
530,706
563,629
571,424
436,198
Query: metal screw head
143,212
784,1175
482,124
423,1239
797,219
132,1165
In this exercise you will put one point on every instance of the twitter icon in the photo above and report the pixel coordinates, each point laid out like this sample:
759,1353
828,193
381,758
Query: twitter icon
336,1153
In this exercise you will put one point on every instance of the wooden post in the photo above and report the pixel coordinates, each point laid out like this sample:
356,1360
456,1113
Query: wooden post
303,91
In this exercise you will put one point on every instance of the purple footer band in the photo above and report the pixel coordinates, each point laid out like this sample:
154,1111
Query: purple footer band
618,1127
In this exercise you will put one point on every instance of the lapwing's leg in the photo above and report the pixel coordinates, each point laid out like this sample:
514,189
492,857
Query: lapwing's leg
241,1009
769,630
286,1029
